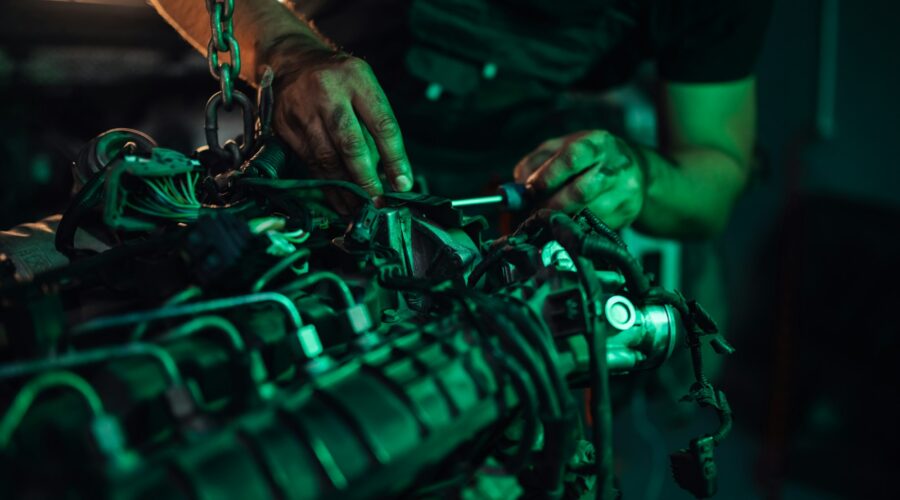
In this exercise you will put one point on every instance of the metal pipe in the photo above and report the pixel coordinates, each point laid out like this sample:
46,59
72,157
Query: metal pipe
73,359
312,279
108,322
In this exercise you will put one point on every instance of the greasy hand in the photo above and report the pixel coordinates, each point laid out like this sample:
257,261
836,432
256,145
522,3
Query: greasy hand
586,169
331,110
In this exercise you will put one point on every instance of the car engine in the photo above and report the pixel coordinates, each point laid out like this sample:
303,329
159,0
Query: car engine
225,334
238,339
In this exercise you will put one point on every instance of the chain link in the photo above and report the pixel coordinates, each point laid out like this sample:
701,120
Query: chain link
222,41
234,155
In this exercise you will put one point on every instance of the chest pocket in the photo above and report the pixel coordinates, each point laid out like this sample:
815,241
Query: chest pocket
458,43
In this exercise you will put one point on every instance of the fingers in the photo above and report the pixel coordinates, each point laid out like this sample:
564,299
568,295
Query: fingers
533,160
348,138
580,191
613,192
373,148
622,204
310,139
578,153
613,208
590,169
378,118
338,120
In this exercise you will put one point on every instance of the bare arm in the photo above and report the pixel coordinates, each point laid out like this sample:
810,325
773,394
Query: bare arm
257,25
709,130
687,190
329,107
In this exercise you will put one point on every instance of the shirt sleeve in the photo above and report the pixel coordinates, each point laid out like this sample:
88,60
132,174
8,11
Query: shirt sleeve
707,41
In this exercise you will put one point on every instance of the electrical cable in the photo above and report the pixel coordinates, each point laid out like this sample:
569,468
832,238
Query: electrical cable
524,389
170,200
528,400
494,254
635,279
297,184
574,240
530,326
517,373
90,195
522,351
556,444
557,438
519,350
34,387
297,237
564,230
601,228
262,225
601,411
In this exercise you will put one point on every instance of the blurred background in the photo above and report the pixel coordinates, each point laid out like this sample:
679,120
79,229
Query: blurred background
810,258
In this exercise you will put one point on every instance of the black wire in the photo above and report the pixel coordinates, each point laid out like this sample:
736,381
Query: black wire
518,371
514,363
564,230
90,195
678,302
528,399
530,353
600,227
496,251
270,159
574,240
601,411
529,326
293,184
559,440
635,279
523,352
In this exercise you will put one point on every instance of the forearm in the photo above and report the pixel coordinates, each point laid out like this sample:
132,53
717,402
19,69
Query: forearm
691,195
258,24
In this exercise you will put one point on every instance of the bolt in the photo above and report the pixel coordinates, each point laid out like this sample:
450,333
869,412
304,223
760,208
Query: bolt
619,314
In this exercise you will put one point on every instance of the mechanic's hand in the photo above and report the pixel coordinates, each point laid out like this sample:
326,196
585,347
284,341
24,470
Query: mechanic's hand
331,110
589,169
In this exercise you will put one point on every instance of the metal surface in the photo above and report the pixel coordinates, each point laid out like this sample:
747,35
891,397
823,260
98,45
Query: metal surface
479,201
620,312
649,339
511,196
370,410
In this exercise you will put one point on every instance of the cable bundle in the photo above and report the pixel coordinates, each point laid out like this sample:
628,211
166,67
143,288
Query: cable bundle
173,198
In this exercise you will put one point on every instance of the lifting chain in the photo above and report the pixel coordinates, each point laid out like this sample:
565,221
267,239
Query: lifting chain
222,41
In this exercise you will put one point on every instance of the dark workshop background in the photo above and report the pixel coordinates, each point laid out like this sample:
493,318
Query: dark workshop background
810,256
